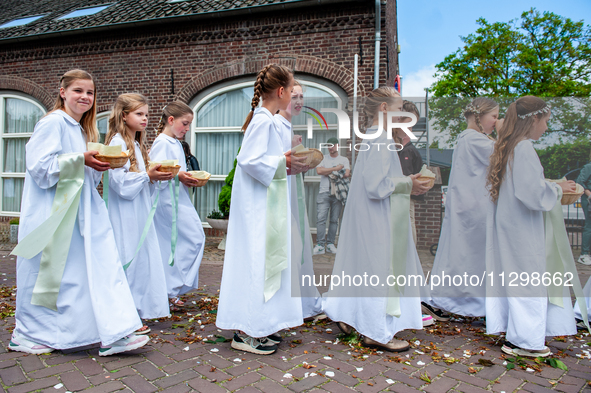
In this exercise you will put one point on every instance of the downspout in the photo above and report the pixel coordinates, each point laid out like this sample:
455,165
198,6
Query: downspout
376,70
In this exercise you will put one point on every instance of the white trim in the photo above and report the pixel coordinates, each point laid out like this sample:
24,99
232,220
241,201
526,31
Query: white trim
3,136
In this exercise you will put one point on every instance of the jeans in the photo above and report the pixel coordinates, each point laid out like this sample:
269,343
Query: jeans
586,246
324,202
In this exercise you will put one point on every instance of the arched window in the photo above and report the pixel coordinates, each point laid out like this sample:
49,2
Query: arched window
18,116
219,114
102,123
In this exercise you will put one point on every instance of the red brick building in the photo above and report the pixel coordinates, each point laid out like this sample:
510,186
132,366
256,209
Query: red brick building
204,53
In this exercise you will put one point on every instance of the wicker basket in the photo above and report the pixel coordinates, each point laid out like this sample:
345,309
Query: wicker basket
169,168
194,175
313,157
571,197
431,180
114,161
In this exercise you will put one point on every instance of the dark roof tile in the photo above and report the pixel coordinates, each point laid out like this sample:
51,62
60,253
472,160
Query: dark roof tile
120,11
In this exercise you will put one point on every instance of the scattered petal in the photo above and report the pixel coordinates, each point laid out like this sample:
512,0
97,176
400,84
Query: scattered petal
529,370
328,342
327,358
237,360
329,330
446,355
287,375
365,356
214,350
417,342
419,352
389,381
329,374
419,363
186,348
359,369
59,386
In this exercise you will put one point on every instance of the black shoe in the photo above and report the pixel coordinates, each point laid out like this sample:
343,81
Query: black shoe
274,338
436,313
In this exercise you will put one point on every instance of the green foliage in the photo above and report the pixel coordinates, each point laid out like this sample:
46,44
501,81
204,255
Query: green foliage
14,221
215,215
541,54
225,197
554,363
557,160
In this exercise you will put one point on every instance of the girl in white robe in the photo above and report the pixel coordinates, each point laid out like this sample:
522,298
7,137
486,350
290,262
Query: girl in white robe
94,303
366,238
129,204
515,240
183,275
252,302
461,247
301,248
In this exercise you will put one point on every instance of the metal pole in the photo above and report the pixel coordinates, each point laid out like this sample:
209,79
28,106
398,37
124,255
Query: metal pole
427,125
376,70
354,109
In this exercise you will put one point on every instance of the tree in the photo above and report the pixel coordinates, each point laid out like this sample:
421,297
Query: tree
540,54
558,159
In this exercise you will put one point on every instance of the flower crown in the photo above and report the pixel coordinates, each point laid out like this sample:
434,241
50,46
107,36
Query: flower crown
543,110
471,109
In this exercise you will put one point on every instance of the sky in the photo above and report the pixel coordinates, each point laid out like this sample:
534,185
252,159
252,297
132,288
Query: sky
429,30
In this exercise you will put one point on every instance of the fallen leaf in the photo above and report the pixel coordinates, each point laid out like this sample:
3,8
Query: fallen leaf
486,362
472,370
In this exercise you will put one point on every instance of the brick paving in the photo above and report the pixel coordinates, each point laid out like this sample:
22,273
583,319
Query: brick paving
444,357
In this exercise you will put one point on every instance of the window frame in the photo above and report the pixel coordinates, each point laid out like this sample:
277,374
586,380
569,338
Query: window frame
201,99
3,137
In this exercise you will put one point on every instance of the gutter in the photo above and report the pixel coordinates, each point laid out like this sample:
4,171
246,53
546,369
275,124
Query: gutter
378,38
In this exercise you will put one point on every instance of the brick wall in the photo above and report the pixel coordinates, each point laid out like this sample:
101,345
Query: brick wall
320,42
428,218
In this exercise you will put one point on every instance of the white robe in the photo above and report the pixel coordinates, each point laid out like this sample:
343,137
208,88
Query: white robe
184,275
515,243
364,248
461,247
94,302
311,299
242,305
129,205
587,294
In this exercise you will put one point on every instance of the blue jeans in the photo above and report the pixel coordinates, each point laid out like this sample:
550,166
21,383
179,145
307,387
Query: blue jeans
586,241
324,203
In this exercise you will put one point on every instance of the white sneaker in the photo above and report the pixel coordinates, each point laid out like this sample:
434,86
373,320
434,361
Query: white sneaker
331,249
427,320
318,250
585,259
128,343
21,344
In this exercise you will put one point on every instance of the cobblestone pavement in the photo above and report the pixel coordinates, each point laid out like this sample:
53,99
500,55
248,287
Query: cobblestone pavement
187,353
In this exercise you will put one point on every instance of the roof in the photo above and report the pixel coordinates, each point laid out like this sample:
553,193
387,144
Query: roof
438,157
122,13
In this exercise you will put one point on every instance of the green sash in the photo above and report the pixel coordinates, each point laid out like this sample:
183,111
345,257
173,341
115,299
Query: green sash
146,229
54,235
106,187
559,259
399,222
276,231
301,210
174,199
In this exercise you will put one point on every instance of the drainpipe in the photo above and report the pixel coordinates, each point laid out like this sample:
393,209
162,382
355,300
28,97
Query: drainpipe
376,70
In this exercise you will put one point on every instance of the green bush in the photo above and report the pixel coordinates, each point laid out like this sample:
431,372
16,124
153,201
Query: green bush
225,196
215,215
14,221
558,159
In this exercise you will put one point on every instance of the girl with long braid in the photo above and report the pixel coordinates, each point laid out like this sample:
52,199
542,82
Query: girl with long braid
256,294
515,236
181,259
461,246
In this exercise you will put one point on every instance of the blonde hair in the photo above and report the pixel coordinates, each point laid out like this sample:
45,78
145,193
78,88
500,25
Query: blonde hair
271,77
174,109
479,106
375,98
127,103
88,120
514,130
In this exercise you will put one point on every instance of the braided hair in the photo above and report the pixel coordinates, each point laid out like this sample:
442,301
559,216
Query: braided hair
479,106
271,77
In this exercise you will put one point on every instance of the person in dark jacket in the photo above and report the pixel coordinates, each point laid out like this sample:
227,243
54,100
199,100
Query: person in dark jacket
411,162
192,163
